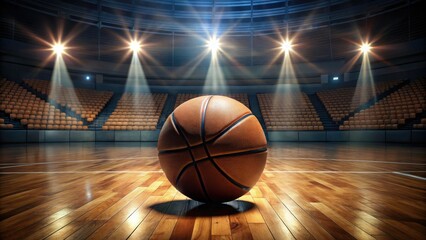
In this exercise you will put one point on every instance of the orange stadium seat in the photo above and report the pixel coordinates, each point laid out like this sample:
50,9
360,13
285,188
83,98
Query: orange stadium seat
31,111
135,111
392,111
289,111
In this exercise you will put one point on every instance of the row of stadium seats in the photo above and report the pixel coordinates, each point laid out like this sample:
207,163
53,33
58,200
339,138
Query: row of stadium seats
422,124
4,125
87,103
395,109
32,111
341,102
289,111
136,112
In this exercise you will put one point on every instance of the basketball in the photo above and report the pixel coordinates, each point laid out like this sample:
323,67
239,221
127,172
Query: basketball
212,149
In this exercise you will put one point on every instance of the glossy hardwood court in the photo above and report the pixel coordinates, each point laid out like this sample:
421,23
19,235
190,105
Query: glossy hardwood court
118,191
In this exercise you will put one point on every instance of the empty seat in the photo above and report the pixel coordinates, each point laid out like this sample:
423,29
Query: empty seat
31,111
392,111
135,110
289,111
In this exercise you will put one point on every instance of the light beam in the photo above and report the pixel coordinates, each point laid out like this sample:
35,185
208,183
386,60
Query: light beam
136,81
365,87
215,79
61,86
287,83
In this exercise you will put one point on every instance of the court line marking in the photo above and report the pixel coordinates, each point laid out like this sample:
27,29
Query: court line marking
350,160
11,165
410,175
85,172
160,171
338,172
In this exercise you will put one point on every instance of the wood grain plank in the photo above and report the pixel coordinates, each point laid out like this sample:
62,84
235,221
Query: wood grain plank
202,228
239,227
253,214
260,231
143,229
278,229
342,222
60,194
164,229
291,222
220,226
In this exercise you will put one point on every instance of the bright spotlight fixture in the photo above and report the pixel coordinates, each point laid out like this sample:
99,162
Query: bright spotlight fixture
365,47
87,77
213,44
286,46
135,46
58,48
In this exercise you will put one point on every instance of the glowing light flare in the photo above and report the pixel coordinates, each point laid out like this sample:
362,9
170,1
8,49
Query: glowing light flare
213,44
365,48
58,48
135,46
286,46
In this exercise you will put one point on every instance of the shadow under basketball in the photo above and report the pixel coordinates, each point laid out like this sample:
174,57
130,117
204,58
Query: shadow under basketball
198,209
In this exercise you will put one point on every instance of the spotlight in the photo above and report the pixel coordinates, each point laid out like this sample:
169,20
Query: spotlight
58,48
286,46
335,78
135,46
365,47
87,77
213,44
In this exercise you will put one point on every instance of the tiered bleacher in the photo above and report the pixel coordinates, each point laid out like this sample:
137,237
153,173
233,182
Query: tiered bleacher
33,112
288,111
340,102
4,125
405,107
183,97
420,125
85,102
136,112
392,111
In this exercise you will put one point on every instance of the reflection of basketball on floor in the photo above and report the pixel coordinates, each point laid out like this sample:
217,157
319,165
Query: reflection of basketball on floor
212,149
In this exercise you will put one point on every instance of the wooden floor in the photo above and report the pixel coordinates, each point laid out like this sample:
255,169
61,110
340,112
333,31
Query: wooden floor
118,191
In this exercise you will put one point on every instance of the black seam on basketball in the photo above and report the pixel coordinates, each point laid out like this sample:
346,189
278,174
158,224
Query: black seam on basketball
203,120
253,151
178,127
203,138
211,140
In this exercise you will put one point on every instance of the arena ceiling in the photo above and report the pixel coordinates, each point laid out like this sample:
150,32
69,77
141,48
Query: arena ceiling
174,31
235,17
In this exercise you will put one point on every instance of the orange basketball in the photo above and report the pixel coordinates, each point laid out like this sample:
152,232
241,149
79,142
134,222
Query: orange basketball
212,149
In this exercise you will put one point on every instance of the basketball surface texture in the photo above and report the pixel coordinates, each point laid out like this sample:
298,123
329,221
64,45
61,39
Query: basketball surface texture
212,149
